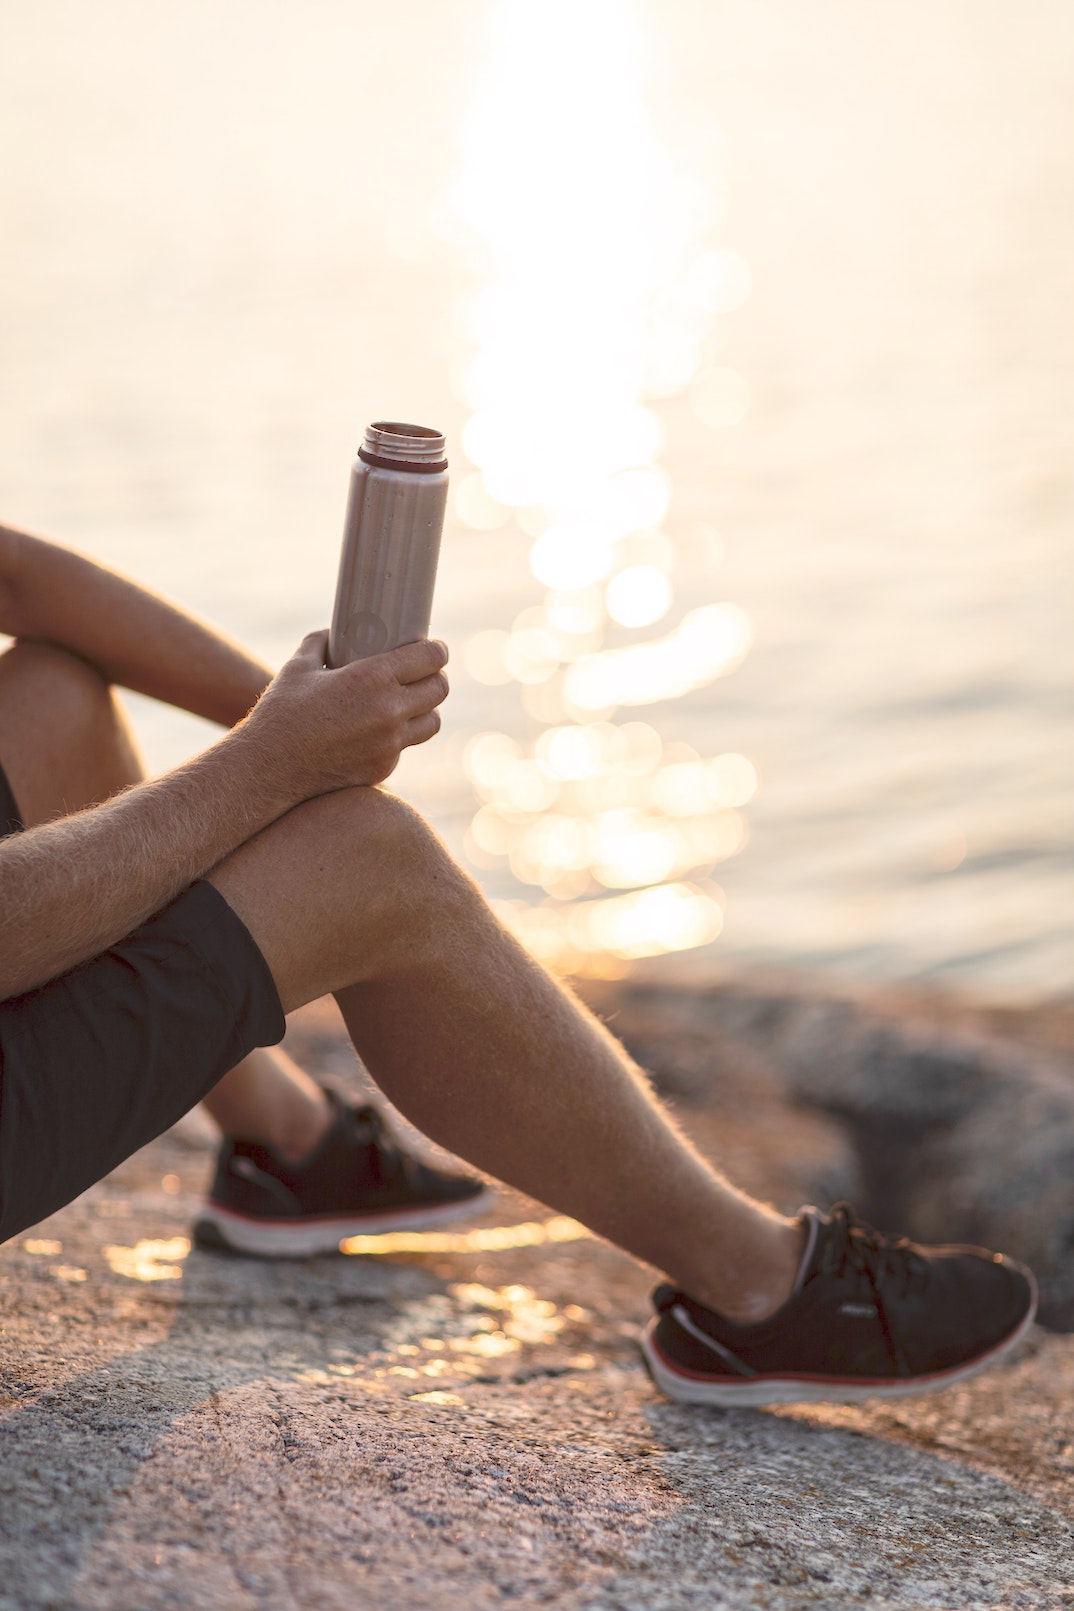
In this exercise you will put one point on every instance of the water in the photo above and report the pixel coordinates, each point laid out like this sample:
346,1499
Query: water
233,237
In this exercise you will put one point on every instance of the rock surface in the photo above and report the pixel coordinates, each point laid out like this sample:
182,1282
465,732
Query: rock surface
469,1426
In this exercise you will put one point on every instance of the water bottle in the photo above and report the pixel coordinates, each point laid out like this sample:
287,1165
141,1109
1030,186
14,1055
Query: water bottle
391,542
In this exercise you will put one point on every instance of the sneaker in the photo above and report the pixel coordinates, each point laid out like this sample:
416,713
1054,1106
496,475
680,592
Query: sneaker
870,1316
359,1181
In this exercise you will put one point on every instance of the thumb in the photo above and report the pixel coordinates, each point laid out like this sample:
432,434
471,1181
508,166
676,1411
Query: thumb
313,650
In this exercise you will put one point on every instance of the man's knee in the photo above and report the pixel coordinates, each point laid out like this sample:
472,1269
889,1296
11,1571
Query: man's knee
392,840
55,684
63,738
340,891
387,862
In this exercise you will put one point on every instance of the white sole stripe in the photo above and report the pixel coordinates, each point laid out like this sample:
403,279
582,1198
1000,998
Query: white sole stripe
288,1238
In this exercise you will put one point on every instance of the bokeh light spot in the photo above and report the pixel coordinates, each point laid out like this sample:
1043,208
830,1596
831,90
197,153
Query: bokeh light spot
732,780
638,596
571,555
489,759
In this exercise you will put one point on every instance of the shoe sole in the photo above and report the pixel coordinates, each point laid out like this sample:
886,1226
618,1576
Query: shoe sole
754,1392
225,1231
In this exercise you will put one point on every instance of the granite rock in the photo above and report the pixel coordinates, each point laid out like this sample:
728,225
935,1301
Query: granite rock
465,1428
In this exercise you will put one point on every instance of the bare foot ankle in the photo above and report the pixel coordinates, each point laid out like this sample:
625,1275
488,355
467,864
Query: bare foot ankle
303,1131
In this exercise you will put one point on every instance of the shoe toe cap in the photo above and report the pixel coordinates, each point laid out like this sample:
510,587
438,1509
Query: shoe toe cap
985,1300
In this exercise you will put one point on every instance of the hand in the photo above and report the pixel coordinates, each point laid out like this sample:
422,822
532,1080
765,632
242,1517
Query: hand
328,729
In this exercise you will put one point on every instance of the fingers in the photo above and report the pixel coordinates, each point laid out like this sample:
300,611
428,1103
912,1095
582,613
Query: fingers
420,729
413,662
313,650
354,720
419,697
410,663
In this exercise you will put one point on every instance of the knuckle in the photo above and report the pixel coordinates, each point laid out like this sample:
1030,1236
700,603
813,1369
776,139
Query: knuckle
380,677
400,706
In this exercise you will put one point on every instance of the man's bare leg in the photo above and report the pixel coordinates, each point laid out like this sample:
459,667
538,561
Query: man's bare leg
268,1097
65,743
470,1038
484,1051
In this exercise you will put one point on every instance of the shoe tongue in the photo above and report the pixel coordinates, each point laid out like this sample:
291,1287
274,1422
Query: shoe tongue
809,1219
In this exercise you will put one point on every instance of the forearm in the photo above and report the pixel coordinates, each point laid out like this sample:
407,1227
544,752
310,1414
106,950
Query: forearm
71,888
131,636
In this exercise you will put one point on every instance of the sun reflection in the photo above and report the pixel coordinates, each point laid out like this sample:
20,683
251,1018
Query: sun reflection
600,285
708,643
149,1260
486,1239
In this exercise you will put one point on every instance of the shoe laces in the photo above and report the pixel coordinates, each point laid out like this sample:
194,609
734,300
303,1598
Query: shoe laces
890,1262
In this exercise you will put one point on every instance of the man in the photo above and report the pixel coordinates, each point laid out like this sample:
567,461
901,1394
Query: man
307,1171
152,939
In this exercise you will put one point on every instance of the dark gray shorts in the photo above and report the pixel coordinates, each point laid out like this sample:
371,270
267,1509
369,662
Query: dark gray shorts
99,1061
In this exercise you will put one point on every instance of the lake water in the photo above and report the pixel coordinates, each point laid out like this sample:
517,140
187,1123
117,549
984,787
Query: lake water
759,310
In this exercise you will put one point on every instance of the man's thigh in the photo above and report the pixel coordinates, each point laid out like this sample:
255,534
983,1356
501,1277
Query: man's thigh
96,1063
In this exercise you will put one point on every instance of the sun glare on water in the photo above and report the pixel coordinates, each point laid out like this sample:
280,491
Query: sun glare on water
599,286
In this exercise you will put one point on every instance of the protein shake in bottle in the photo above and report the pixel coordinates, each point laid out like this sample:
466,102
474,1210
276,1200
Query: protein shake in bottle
391,542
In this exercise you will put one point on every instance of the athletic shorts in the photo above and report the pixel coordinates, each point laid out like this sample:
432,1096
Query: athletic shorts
99,1061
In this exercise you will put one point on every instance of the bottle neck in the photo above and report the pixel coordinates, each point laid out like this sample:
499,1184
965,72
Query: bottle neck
392,446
